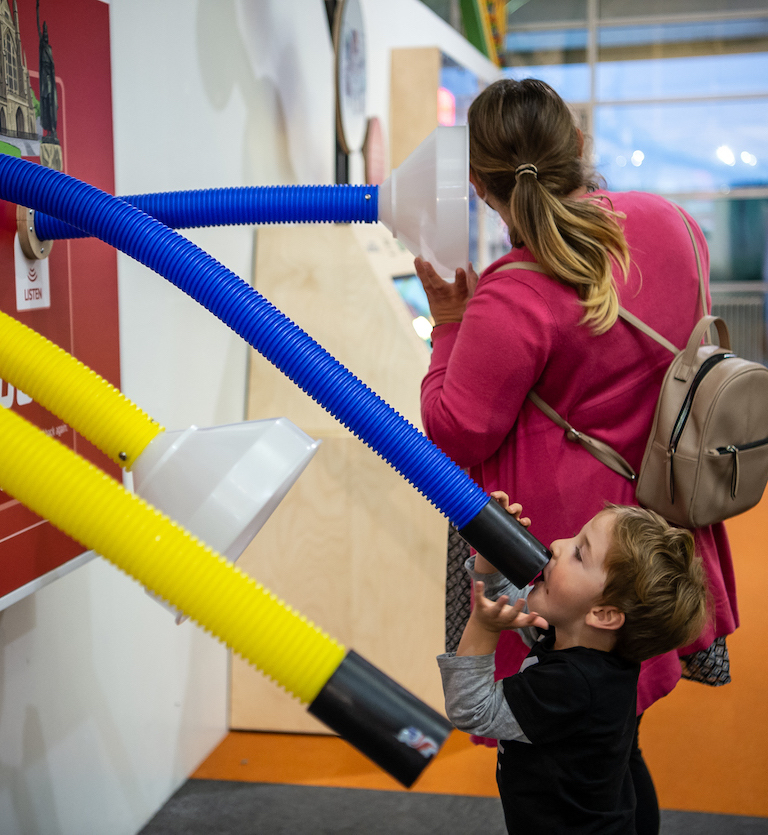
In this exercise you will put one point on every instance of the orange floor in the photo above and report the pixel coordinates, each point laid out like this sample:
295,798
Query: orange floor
707,748
305,759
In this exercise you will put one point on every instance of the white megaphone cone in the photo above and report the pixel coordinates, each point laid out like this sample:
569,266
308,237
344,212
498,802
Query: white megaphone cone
223,482
425,201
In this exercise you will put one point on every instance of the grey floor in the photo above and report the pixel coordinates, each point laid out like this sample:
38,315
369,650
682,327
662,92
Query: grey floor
217,807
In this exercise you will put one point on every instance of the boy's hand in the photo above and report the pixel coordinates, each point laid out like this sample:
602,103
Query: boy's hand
489,619
496,616
515,509
482,566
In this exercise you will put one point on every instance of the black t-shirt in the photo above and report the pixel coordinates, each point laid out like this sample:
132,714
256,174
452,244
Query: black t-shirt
577,707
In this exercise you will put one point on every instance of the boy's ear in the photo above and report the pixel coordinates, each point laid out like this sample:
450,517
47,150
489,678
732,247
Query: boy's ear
605,617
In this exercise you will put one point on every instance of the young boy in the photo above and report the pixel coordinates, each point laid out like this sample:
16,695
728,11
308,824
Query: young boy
627,587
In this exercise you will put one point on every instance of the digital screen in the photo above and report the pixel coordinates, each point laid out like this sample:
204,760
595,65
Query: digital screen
412,293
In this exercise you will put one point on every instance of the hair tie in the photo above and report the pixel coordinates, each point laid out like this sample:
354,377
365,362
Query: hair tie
527,168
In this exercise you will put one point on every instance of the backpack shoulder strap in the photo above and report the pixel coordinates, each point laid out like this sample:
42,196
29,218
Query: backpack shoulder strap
600,450
702,291
647,330
625,314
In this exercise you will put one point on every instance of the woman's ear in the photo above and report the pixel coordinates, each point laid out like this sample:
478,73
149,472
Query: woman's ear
477,183
605,617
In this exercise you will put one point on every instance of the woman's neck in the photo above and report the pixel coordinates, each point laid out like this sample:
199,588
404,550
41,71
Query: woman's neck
579,192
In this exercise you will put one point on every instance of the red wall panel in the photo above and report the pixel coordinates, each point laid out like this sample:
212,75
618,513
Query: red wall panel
83,314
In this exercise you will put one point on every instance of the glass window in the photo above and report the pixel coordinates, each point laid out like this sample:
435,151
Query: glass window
571,81
462,85
9,57
736,230
683,147
538,12
715,75
551,46
675,96
736,35
723,57
660,8
557,56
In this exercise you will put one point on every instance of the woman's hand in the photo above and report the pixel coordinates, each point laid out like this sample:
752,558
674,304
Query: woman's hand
447,299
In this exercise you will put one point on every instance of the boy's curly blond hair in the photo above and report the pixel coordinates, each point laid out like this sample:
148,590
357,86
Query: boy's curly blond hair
654,577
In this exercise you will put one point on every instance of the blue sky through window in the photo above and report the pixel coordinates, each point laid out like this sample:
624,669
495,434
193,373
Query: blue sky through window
697,135
683,147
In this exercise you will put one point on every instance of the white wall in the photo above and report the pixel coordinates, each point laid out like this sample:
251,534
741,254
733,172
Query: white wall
393,24
105,704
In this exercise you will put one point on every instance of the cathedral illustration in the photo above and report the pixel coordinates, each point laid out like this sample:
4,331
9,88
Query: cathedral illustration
18,118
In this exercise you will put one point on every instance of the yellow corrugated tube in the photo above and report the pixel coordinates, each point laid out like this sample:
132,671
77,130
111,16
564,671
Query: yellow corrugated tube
94,509
72,391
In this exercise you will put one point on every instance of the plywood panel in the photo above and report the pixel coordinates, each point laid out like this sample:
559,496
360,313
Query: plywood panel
334,281
353,546
414,79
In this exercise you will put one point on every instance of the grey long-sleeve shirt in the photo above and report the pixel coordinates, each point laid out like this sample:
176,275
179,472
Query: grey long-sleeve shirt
474,702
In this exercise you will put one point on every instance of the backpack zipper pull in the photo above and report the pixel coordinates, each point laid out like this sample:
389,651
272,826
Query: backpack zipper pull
735,469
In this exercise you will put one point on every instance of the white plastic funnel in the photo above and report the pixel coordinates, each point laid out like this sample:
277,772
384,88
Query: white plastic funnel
425,201
222,483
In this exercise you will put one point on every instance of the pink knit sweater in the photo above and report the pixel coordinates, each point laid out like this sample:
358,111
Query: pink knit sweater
520,332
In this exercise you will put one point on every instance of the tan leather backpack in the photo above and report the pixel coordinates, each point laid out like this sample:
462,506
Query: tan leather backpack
707,455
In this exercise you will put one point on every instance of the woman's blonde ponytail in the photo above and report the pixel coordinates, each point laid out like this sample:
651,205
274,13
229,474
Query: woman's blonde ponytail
526,149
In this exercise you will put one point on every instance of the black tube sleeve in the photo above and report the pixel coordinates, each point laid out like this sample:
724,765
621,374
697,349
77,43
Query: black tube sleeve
505,543
383,720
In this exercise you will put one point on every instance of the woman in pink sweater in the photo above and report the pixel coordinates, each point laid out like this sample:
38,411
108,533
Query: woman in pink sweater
514,331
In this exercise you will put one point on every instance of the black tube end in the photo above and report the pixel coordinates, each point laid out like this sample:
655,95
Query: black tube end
505,543
381,719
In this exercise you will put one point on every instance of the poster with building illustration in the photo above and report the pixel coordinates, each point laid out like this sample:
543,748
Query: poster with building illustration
56,111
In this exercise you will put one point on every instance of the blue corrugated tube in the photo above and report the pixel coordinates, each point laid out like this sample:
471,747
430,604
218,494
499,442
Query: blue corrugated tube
479,519
234,206
251,316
